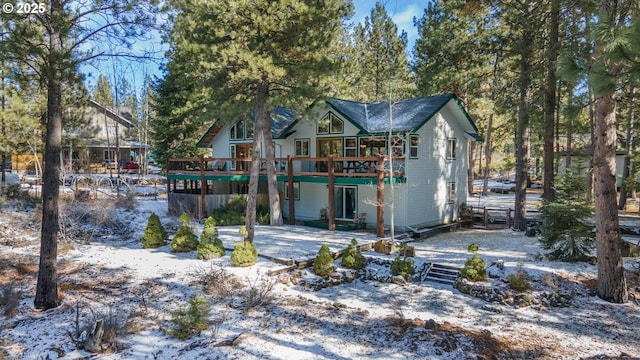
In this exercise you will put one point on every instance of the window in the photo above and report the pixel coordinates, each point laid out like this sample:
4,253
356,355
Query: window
451,148
451,192
109,155
413,146
330,124
296,190
241,130
302,147
350,147
232,154
372,146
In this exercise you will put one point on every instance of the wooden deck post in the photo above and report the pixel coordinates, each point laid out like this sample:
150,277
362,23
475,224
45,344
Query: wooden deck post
485,216
508,218
380,197
203,191
330,189
292,204
168,183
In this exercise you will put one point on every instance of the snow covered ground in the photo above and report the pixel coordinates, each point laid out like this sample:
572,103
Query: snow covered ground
110,276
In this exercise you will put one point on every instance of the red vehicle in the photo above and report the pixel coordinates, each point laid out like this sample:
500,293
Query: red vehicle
130,165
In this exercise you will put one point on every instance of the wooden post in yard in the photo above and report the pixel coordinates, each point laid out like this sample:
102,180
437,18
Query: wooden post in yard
485,216
292,204
508,218
203,191
380,197
168,184
332,200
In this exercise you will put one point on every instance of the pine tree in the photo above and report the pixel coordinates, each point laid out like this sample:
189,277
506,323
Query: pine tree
184,240
102,92
210,246
260,54
382,65
323,263
352,258
50,44
154,235
618,22
566,221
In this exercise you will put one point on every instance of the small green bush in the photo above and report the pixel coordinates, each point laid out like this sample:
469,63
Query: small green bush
234,211
402,266
154,235
474,269
519,281
323,263
192,320
352,258
210,246
244,254
185,218
184,240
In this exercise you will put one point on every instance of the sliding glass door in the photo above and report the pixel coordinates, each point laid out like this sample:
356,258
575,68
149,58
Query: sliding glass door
346,201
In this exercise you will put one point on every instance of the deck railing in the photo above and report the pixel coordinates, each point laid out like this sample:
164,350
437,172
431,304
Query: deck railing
306,166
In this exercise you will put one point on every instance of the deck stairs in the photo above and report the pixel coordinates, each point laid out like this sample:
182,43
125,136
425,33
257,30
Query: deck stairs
444,274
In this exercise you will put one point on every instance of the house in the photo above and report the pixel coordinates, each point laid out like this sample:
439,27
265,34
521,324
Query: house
102,141
338,164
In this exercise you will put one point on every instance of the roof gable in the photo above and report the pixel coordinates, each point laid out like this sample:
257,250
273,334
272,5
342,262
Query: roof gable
123,118
408,114
282,119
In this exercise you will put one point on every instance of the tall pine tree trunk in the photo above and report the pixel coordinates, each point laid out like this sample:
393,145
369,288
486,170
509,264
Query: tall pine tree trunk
262,91
626,171
275,210
550,101
47,286
611,285
488,150
522,161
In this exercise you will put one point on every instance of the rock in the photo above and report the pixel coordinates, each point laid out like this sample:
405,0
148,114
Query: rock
398,279
409,251
496,270
494,309
431,325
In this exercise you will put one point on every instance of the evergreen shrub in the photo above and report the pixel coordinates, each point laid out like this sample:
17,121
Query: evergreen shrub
352,258
210,246
323,263
404,265
234,211
475,269
191,321
154,235
566,230
244,254
519,281
184,240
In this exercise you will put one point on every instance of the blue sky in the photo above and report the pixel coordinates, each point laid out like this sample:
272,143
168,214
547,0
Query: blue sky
401,11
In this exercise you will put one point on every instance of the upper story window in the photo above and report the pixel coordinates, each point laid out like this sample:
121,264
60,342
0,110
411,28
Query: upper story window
330,124
451,148
302,147
241,130
413,146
